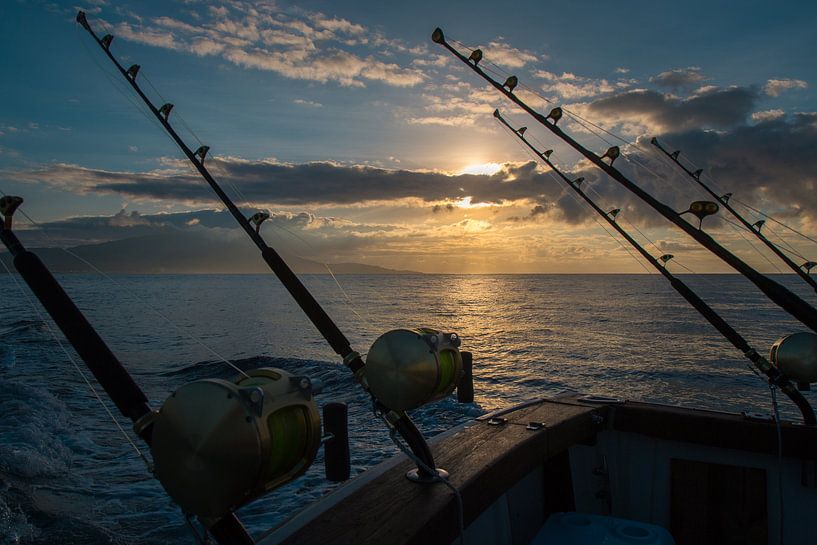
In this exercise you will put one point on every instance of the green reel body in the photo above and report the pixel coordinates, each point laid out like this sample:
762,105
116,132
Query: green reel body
219,444
408,368
796,357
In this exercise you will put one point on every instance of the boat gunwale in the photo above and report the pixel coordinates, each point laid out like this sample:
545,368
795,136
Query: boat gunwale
521,450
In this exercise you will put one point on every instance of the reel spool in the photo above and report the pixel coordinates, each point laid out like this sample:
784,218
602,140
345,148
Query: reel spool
795,356
218,444
408,368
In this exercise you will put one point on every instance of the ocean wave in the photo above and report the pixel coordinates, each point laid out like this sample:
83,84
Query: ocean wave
67,475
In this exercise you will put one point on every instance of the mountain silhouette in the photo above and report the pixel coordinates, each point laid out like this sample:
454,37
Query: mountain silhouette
177,252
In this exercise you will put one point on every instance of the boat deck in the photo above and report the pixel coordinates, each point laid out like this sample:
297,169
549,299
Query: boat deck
487,459
481,459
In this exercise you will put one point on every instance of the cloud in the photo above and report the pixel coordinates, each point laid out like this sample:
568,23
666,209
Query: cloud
8,129
94,229
741,157
433,60
456,106
448,207
317,183
273,184
467,120
335,65
148,36
658,113
766,164
571,86
768,115
337,25
769,164
679,78
774,87
507,56
128,224
307,103
442,244
311,46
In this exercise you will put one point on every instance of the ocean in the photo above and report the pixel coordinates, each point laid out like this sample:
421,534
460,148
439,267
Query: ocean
67,475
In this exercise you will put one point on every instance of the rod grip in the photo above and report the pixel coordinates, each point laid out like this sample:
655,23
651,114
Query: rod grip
108,370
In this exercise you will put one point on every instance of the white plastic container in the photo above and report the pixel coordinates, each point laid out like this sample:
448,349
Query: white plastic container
582,529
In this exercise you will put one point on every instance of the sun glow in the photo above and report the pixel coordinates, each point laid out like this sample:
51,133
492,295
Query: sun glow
486,169
465,202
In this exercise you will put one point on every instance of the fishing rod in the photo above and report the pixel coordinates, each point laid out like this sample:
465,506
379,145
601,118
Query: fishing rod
754,228
780,295
395,416
660,264
95,353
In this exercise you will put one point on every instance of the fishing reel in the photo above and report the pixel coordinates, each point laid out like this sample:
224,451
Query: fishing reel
219,444
795,356
409,368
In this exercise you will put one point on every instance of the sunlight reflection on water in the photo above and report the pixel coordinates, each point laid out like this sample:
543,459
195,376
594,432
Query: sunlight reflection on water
625,336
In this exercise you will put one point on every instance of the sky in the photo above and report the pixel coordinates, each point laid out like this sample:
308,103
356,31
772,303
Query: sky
369,143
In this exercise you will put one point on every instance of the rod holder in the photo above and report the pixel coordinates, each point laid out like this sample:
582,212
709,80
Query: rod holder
336,448
465,389
8,206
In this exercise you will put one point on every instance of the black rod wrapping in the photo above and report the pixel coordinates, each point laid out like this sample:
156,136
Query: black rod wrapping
105,366
780,295
685,291
725,203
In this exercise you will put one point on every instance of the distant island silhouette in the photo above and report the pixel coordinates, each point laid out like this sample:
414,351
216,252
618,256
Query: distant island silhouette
183,253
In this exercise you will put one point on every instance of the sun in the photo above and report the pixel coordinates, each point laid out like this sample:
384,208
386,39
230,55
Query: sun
486,169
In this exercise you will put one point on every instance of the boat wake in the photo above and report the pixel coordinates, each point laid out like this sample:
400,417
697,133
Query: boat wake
43,497
67,477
